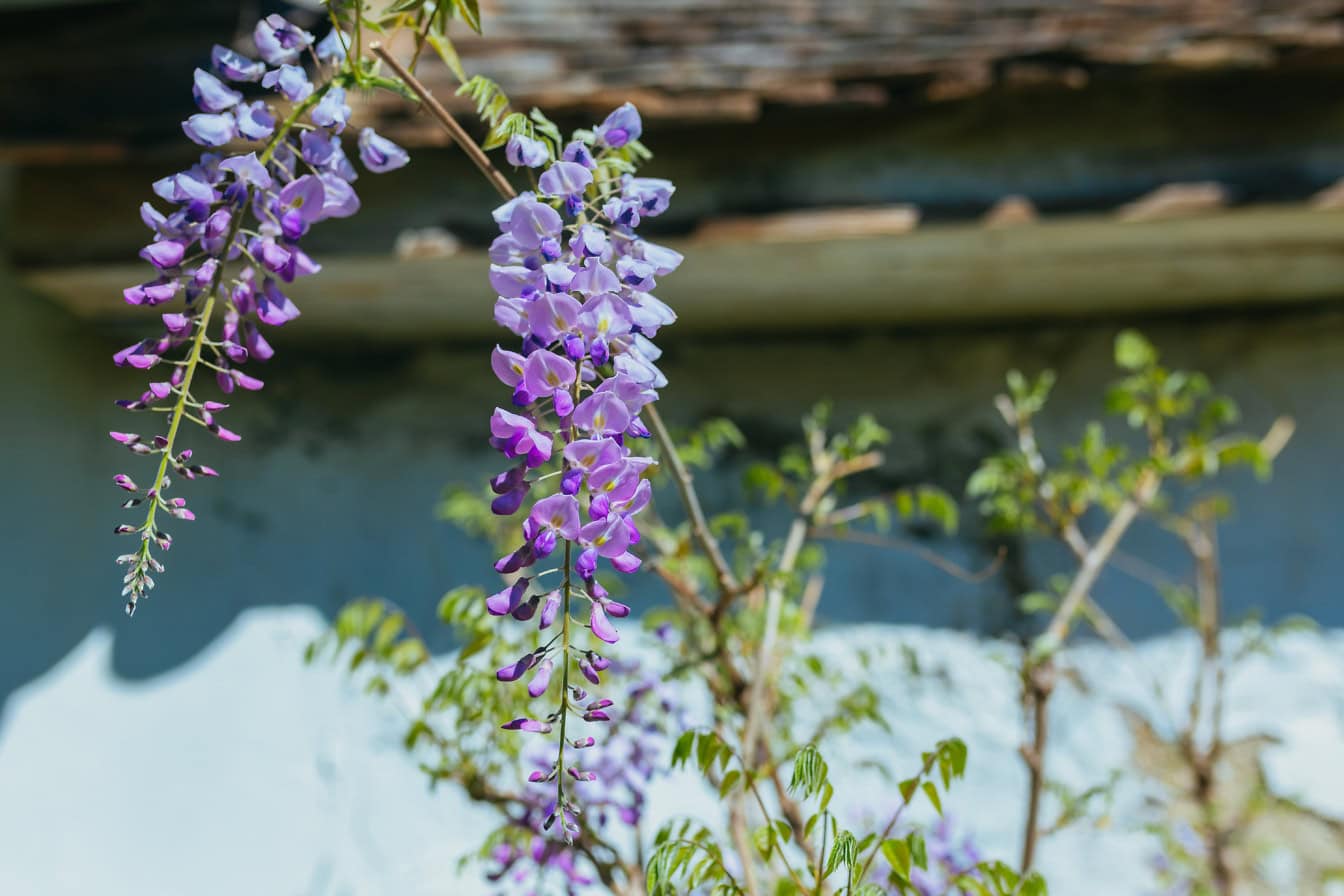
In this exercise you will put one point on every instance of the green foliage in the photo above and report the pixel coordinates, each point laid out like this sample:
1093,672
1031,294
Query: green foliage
371,630
490,101
998,879
928,502
686,858
1021,491
706,444
811,775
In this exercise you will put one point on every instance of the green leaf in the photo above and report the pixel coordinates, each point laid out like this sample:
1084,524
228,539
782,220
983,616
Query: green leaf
843,852
931,791
919,855
764,840
448,53
470,10
1133,352
897,854
681,752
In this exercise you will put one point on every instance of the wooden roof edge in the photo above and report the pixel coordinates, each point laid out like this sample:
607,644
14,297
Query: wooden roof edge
1065,267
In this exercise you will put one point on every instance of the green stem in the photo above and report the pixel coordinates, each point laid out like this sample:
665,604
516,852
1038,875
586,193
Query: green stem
564,695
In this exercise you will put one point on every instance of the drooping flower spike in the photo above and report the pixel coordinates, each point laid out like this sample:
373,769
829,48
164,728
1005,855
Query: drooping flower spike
226,245
574,286
613,788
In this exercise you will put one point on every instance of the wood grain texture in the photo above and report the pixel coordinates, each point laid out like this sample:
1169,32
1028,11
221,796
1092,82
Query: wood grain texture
1069,267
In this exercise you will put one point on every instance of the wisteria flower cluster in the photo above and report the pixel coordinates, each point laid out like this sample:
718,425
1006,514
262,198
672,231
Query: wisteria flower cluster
575,287
625,762
274,167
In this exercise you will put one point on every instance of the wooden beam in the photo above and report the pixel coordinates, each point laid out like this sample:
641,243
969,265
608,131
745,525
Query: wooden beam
1063,267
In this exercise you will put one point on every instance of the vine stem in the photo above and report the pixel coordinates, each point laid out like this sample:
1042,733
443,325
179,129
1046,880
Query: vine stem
728,583
449,124
179,409
564,698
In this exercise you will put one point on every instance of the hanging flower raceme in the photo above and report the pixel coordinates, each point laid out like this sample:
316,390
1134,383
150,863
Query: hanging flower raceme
622,767
575,288
228,243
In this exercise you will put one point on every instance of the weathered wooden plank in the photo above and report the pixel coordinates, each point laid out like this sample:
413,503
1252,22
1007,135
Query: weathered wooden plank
682,59
1066,267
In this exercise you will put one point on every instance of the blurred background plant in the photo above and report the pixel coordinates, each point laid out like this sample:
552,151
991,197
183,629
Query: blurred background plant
947,193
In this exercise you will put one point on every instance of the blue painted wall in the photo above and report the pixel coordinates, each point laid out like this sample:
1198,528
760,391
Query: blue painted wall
331,495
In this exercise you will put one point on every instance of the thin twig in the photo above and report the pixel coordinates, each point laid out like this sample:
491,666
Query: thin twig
933,558
691,501
1096,557
891,825
449,124
1039,684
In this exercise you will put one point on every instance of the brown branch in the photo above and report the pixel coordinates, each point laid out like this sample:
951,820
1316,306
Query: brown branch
691,501
933,558
1096,557
1200,535
1039,684
449,124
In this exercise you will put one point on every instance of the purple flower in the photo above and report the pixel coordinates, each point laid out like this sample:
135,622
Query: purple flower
164,254
247,169
273,306
549,374
602,414
235,66
578,151
254,121
601,626
620,127
331,111
519,437
518,669
210,130
652,195
541,681
339,198
566,180
525,152
532,222
289,81
305,195
332,47
504,602
278,41
212,94
559,514
380,154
